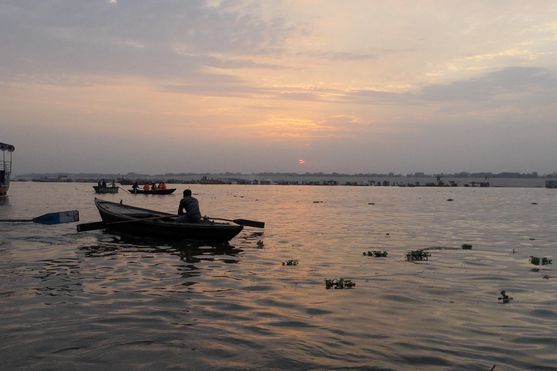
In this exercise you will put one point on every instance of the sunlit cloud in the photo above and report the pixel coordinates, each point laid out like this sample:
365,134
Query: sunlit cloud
292,128
515,52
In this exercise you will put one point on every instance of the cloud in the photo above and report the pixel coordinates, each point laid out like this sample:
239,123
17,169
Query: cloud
509,84
519,86
146,38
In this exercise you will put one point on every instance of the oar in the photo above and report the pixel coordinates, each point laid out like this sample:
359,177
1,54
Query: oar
245,222
50,218
124,189
101,225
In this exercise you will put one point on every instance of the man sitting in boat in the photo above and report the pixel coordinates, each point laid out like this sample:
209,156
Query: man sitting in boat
162,186
190,205
146,187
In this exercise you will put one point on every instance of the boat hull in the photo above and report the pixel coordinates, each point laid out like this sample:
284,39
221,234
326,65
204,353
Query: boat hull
5,167
155,192
4,189
105,189
162,225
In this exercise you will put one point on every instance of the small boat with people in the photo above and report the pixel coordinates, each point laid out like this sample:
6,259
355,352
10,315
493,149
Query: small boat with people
140,221
102,187
109,189
5,167
152,191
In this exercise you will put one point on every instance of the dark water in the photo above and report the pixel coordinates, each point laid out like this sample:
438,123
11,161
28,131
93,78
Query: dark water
95,300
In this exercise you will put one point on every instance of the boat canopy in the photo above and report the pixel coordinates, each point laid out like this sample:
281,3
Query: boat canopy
6,147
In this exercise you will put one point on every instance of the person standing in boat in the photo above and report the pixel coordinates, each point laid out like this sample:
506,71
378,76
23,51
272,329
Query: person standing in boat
190,205
135,186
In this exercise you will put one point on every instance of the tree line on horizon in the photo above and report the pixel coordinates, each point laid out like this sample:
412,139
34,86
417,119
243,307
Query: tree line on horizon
133,175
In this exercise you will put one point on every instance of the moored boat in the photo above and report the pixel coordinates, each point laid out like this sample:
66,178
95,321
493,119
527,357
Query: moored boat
112,189
152,192
5,167
136,220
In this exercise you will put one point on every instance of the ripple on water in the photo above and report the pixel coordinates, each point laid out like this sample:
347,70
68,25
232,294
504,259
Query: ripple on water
546,314
317,311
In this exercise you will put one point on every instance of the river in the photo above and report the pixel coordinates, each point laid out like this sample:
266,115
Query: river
97,300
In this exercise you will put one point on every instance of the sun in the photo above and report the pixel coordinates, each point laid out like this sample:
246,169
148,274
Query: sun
301,162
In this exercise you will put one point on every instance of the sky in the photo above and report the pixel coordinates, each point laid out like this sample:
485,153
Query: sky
352,86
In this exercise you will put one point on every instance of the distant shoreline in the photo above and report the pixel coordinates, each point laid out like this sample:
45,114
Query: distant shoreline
310,180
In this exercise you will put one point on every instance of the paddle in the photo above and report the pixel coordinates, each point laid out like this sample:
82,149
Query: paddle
124,189
244,222
101,225
50,218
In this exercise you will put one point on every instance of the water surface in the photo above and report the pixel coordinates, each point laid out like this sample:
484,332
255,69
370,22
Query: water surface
70,300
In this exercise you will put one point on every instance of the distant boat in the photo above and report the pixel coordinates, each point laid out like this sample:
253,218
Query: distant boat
111,189
152,192
5,167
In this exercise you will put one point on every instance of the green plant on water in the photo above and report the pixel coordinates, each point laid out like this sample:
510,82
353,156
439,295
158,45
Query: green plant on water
376,253
290,262
339,283
417,255
540,261
504,298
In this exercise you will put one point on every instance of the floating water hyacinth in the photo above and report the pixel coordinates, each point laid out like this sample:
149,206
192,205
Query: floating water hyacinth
417,255
339,283
466,246
540,261
290,262
504,298
376,253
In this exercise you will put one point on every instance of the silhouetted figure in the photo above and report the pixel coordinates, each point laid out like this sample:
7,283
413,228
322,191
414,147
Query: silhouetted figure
190,205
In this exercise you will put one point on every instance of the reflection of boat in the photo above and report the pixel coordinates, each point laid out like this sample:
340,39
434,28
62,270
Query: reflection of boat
136,220
152,192
112,189
5,167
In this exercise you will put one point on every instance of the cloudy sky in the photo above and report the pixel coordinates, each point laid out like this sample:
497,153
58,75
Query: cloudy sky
349,86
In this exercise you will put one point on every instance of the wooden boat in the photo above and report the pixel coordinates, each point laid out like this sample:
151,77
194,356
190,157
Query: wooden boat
152,192
112,189
135,220
5,167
